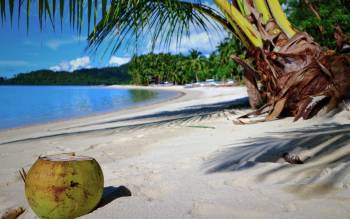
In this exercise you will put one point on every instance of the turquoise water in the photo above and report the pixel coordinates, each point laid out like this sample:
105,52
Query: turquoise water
27,105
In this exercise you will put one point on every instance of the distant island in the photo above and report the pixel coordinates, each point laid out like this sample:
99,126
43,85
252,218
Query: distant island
92,76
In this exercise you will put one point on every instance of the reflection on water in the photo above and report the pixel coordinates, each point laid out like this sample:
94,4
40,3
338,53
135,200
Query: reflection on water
25,105
141,95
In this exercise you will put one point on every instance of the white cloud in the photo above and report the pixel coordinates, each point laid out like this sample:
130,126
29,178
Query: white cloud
198,39
201,41
78,63
115,60
57,43
204,42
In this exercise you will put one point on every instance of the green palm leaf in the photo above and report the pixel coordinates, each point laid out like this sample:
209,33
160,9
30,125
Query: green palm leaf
20,3
159,20
61,11
11,5
127,21
3,10
53,8
89,14
28,14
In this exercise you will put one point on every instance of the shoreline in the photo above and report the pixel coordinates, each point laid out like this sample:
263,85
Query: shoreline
186,159
184,95
177,94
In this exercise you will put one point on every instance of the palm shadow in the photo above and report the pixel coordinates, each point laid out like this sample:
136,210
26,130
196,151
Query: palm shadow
321,147
179,117
201,111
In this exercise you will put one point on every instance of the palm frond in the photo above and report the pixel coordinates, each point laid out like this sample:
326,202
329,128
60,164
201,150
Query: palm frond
11,5
161,21
281,18
236,18
3,10
122,22
61,12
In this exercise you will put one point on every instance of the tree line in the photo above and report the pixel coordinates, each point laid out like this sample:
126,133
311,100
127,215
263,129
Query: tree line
182,69
92,76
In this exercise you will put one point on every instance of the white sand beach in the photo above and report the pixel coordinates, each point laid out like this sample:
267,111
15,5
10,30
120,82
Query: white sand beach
184,158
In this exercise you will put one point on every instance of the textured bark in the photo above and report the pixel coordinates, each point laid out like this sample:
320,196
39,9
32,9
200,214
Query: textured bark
250,79
255,100
298,78
301,79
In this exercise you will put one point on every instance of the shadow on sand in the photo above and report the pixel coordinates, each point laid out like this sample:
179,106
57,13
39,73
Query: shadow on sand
325,150
111,193
165,118
196,112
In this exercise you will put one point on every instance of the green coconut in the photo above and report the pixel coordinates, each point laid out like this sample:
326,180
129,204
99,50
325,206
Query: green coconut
64,186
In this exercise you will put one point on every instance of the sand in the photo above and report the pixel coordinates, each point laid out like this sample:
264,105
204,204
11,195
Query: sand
185,158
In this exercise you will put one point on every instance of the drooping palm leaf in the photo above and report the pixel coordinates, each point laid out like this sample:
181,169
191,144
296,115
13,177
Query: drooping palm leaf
236,18
281,18
159,20
89,14
262,8
95,12
168,18
61,11
53,8
28,14
48,12
243,7
11,5
20,3
3,10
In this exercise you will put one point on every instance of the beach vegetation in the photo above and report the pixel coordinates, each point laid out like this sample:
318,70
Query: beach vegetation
194,67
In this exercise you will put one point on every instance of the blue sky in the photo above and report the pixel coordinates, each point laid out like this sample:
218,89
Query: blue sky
66,50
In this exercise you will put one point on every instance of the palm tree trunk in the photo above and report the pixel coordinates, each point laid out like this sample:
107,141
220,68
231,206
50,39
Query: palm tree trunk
300,79
255,99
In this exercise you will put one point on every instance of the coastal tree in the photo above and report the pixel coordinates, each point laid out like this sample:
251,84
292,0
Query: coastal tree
297,76
319,17
225,66
195,63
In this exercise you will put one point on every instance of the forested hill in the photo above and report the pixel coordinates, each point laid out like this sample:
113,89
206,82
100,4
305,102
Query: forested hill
93,76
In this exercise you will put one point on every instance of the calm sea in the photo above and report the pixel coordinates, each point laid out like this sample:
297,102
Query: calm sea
27,105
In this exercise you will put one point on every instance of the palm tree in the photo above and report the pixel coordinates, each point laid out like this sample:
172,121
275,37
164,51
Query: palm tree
298,77
195,62
230,46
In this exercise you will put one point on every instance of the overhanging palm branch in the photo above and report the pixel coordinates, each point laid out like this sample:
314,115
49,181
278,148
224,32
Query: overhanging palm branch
159,21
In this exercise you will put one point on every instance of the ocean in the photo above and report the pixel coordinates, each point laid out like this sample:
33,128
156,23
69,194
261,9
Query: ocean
29,105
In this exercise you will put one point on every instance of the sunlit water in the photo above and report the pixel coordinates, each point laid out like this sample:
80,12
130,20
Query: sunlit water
27,105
